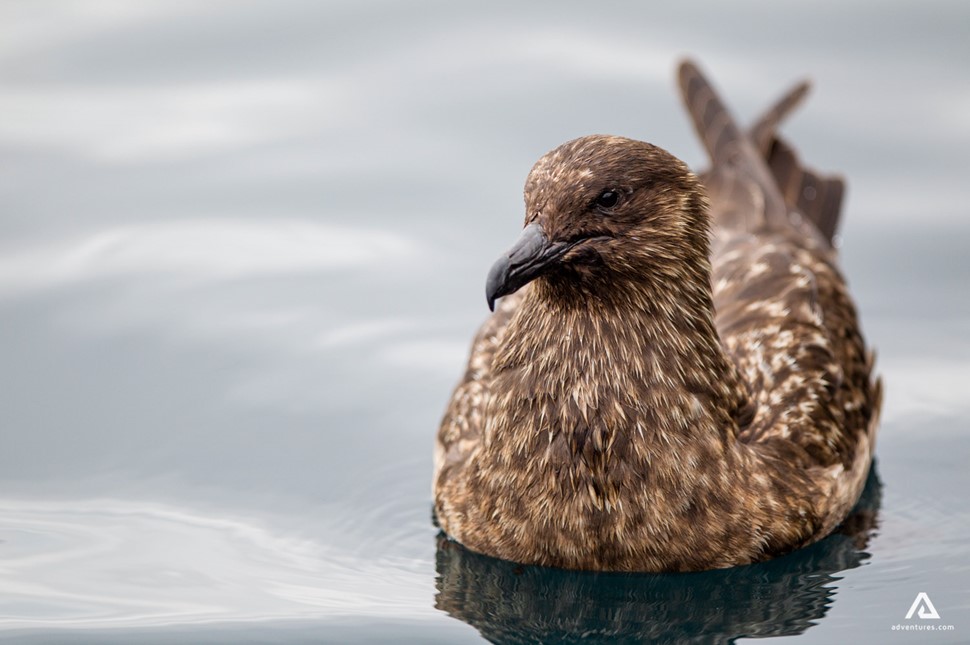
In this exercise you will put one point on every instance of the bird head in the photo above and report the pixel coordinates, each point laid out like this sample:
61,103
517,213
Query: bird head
601,211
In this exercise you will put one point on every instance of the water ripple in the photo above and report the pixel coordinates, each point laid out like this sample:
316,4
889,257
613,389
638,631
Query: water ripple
116,563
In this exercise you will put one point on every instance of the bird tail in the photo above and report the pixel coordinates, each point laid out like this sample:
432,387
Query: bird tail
815,196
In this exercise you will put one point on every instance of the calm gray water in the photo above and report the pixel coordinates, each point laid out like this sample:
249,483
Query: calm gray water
242,251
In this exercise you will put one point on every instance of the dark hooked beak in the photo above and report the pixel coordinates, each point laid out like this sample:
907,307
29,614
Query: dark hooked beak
528,258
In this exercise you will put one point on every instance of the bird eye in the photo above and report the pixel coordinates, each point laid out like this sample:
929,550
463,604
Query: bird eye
607,199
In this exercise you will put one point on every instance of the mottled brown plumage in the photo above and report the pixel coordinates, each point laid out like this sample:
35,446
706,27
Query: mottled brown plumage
609,420
511,603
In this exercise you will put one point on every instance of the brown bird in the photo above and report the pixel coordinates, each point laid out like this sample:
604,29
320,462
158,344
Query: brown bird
675,379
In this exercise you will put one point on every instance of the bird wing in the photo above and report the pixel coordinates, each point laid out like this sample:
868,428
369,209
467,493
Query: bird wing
743,194
783,310
817,197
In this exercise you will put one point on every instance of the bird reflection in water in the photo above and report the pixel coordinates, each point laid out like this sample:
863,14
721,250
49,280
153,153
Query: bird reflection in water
512,603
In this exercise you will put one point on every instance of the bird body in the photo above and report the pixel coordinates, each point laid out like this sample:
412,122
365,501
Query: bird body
674,379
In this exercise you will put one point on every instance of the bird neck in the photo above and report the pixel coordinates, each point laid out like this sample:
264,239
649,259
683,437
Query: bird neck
641,351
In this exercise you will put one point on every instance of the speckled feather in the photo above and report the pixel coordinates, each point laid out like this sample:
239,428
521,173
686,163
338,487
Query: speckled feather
608,420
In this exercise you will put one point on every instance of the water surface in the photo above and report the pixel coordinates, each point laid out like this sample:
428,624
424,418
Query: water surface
242,255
